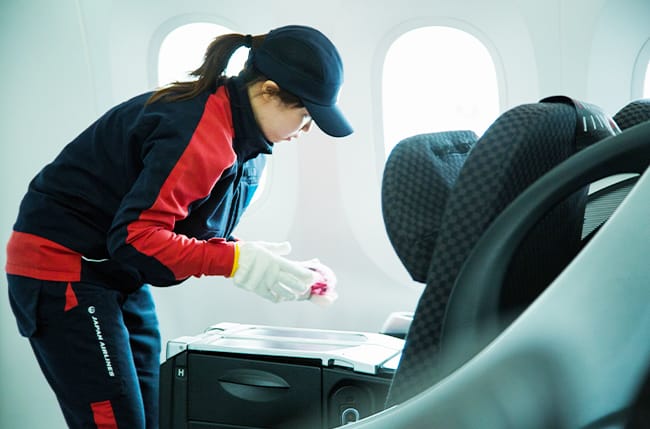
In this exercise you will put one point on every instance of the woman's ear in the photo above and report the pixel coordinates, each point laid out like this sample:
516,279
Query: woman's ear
270,89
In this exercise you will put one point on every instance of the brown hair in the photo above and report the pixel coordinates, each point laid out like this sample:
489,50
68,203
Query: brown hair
213,69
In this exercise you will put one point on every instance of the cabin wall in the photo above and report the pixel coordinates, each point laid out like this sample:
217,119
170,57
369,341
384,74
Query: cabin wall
65,62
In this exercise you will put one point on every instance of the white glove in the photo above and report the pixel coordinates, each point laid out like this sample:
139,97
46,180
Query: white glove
262,269
323,290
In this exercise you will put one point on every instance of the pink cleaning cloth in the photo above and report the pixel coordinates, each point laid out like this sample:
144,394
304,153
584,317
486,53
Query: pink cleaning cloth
323,290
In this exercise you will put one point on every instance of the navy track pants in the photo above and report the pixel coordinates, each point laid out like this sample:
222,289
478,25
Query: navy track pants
98,348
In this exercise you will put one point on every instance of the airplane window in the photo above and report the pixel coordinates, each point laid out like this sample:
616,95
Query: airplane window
182,51
437,79
646,85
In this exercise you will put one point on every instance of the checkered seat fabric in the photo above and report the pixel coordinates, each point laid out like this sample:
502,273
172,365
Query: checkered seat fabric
420,171
633,113
519,147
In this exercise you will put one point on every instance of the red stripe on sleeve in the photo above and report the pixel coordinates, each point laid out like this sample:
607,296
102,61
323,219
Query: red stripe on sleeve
207,155
103,415
32,256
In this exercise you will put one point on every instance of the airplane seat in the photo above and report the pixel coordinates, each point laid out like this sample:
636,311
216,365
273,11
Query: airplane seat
579,356
606,194
419,174
413,220
518,148
633,113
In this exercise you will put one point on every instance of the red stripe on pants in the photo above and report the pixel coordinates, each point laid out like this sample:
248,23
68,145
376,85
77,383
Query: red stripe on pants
103,415
70,298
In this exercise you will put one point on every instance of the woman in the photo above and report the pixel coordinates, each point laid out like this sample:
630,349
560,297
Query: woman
150,194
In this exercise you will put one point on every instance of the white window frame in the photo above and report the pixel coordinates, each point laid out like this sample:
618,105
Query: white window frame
641,73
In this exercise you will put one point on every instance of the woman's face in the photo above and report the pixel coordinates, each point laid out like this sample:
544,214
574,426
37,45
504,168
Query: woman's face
277,121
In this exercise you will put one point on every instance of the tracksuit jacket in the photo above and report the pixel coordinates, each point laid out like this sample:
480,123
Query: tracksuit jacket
146,194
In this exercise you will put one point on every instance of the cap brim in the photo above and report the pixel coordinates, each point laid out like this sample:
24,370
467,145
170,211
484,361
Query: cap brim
330,119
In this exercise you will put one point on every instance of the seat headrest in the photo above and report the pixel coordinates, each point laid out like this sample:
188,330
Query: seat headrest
633,113
417,178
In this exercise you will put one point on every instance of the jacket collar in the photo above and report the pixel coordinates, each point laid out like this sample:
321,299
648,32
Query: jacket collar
248,141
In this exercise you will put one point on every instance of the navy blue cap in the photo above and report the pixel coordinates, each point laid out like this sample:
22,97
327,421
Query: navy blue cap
304,62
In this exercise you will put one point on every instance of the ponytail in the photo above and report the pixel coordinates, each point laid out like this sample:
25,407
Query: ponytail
212,71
